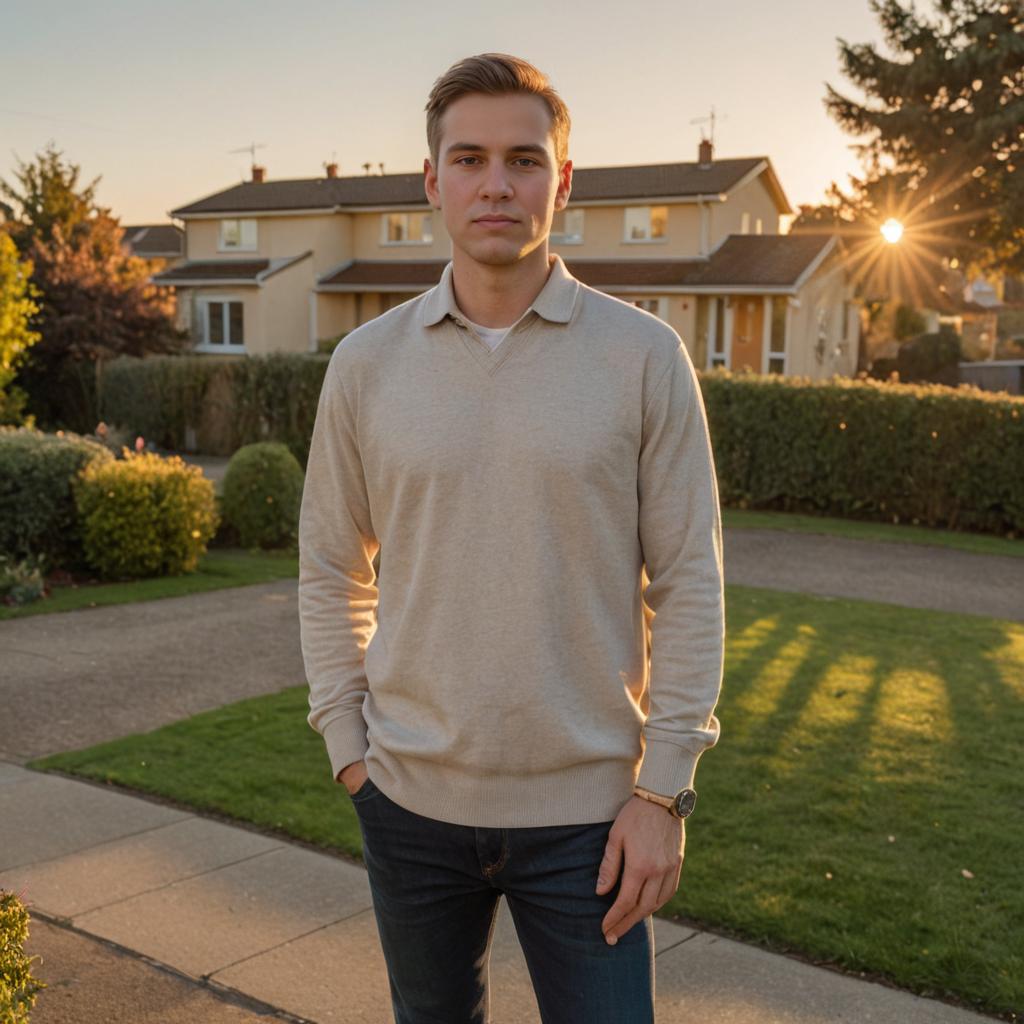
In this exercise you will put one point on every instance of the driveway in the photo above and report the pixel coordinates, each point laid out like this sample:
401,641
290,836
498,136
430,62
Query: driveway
74,679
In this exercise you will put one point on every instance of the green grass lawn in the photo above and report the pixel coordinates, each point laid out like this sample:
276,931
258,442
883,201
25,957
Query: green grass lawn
221,567
869,757
856,529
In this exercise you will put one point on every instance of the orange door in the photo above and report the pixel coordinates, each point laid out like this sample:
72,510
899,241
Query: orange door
747,332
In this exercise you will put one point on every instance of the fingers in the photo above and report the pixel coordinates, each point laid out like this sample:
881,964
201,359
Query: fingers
608,871
638,898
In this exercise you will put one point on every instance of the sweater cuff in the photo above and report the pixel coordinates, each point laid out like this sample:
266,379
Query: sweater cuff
346,741
666,768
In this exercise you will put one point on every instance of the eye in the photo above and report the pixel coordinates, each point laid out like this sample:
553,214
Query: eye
461,158
527,159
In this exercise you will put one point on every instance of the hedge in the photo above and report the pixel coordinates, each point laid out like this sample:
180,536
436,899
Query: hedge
854,447
215,404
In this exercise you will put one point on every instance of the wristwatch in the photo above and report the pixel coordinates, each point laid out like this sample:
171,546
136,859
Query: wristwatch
679,806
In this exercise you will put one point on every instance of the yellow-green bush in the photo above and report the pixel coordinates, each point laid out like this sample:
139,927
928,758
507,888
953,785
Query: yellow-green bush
262,495
145,515
17,986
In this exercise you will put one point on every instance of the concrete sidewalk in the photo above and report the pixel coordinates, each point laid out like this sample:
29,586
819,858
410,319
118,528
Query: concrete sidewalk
229,926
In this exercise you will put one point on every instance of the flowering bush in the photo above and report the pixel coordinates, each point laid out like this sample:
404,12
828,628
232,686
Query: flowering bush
262,493
144,515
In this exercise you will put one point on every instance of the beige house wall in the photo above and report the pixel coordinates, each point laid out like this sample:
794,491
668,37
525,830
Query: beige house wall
817,324
367,231
753,199
329,236
286,310
604,230
335,312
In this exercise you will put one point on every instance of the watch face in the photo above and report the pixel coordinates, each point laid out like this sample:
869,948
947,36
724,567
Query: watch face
685,800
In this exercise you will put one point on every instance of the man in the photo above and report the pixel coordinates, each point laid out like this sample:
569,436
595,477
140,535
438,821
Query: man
525,453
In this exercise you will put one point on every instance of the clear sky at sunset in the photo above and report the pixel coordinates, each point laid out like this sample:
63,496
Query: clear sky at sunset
152,97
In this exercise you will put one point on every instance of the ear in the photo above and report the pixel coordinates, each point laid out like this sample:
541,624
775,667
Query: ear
564,185
430,184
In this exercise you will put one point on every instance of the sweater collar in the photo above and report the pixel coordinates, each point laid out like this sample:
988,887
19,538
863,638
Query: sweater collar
555,301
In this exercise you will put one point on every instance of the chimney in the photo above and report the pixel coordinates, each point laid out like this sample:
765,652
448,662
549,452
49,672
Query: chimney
704,153
332,170
259,174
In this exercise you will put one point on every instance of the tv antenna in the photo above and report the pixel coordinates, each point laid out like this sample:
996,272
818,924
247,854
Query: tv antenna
710,121
251,148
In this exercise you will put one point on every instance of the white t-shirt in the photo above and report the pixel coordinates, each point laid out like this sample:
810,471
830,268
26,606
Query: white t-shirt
492,337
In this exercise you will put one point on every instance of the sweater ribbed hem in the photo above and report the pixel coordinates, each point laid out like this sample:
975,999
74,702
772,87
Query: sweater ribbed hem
577,795
346,741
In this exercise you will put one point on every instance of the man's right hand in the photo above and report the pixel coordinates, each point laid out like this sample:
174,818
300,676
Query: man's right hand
353,776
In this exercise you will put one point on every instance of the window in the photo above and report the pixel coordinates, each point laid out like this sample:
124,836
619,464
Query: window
758,226
567,227
406,229
238,235
745,223
646,223
221,325
718,311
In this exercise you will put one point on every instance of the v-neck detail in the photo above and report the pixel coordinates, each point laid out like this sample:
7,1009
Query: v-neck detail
492,359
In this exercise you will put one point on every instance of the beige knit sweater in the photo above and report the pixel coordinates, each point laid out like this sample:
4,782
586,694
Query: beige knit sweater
547,627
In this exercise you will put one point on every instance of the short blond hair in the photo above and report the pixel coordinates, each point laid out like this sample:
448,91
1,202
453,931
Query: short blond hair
495,74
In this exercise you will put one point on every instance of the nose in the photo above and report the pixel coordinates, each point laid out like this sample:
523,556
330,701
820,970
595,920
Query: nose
495,183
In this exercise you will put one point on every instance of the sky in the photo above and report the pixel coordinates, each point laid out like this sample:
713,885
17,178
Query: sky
153,98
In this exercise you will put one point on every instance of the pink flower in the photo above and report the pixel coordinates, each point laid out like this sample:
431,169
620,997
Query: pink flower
139,444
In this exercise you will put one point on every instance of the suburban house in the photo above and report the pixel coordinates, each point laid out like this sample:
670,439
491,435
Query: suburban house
275,266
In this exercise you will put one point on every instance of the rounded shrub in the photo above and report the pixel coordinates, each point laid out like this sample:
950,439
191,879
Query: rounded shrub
144,515
37,506
261,495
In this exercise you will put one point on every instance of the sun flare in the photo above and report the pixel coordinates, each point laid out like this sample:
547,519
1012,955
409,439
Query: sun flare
892,230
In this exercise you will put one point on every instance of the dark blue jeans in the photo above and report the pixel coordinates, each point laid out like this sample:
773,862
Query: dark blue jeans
436,888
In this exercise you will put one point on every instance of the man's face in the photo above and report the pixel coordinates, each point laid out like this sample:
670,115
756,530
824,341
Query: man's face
496,181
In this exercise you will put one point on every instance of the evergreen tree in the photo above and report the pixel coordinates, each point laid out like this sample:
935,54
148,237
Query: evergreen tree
942,123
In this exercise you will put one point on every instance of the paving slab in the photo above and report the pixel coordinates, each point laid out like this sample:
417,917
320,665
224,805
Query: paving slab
914,575
710,978
203,924
57,816
110,872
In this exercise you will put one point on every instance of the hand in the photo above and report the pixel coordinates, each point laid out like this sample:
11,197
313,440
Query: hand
652,841
353,776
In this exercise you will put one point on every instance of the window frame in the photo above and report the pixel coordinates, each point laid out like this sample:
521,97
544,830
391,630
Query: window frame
648,239
203,303
385,241
222,246
560,237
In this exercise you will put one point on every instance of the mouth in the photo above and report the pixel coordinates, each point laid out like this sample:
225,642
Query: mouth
494,220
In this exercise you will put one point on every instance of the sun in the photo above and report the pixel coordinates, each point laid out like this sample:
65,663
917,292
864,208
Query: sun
892,230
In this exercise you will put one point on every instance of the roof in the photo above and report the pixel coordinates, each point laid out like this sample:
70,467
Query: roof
150,240
776,262
233,271
637,181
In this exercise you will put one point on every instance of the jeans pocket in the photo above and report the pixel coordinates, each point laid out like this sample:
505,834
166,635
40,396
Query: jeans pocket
364,792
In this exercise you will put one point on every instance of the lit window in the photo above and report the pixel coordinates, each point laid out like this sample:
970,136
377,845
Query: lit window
407,229
567,227
238,235
645,223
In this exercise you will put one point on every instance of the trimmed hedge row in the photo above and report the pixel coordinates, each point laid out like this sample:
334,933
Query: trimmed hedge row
859,448
215,404
867,449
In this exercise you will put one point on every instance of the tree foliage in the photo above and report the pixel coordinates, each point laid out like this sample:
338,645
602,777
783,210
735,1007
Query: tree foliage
16,336
95,298
941,124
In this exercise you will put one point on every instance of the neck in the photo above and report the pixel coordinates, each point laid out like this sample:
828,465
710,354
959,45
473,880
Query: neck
498,295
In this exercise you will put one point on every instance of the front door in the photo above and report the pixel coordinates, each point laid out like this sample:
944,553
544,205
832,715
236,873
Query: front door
747,332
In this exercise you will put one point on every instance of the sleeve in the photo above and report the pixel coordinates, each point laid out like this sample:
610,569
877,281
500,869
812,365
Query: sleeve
337,583
681,539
